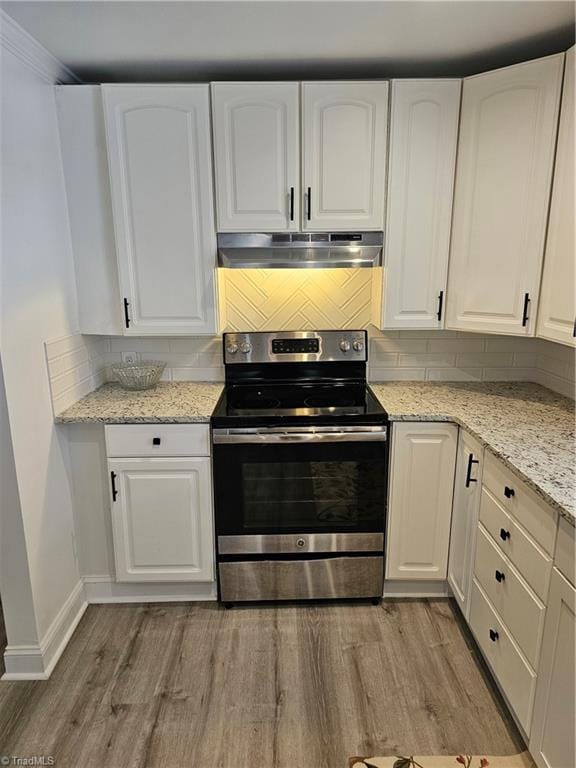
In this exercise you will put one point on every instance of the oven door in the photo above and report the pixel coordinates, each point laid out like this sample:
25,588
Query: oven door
272,486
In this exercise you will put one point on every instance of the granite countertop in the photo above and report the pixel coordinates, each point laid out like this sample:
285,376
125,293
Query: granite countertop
528,427
174,402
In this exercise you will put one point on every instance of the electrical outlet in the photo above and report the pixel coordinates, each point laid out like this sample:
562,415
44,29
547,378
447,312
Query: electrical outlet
130,357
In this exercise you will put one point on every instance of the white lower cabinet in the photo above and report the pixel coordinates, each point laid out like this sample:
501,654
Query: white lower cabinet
420,502
552,742
467,492
162,519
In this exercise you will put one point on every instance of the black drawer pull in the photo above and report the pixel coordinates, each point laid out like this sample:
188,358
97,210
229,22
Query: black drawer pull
500,577
469,479
504,534
508,492
114,489
291,203
155,441
494,635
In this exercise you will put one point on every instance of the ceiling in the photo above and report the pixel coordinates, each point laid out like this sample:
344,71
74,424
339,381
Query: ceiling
297,39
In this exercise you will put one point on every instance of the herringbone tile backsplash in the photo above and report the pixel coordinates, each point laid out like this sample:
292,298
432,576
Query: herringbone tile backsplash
295,299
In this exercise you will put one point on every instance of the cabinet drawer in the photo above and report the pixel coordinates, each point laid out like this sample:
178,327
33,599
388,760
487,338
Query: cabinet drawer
519,608
532,562
158,440
516,678
532,512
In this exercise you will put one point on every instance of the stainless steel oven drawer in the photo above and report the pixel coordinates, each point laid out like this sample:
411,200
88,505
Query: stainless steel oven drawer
335,577
289,543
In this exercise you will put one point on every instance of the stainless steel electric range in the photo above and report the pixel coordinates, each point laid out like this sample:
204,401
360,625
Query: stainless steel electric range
300,465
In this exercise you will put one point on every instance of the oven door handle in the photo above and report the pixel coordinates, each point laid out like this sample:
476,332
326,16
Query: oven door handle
298,437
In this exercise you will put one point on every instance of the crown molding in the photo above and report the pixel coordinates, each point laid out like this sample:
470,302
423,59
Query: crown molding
31,53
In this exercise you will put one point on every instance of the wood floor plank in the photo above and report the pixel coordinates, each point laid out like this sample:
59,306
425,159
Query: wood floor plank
290,686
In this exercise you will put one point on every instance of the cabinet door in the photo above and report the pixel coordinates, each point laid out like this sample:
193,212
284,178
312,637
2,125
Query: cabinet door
160,169
162,519
344,155
552,734
420,505
257,156
467,493
422,156
505,155
556,312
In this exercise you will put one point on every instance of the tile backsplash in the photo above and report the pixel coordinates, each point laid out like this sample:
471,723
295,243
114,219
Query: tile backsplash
76,366
394,355
79,364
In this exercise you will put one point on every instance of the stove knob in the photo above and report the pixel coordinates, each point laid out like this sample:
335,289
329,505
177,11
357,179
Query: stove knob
232,349
245,347
344,345
358,345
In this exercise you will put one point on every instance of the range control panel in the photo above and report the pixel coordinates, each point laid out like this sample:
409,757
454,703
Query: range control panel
295,347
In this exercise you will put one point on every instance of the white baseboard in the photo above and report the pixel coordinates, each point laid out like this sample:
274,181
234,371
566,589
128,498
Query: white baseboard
104,589
414,588
36,662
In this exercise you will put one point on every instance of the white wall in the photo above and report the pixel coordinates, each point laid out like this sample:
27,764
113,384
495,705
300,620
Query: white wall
15,587
37,301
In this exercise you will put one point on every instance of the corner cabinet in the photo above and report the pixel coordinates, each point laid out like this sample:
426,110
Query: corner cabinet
504,170
467,493
344,129
160,159
256,129
557,310
161,502
422,156
420,500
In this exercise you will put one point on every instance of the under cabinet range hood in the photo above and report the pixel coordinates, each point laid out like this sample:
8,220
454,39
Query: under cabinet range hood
294,250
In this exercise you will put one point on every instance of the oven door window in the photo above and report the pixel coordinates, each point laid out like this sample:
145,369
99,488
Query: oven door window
304,488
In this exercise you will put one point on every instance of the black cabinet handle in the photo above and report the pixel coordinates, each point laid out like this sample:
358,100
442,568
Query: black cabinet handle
291,203
440,303
126,314
508,492
525,311
469,479
504,534
309,204
500,577
114,489
155,441
494,635
574,329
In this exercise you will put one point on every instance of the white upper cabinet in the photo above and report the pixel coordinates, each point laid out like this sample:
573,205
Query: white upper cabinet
505,157
159,154
556,311
257,156
422,156
344,155
420,500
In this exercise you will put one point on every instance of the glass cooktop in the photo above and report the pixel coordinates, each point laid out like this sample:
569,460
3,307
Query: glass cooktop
297,400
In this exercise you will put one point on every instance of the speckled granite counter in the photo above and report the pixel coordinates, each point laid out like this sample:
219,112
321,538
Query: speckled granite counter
170,402
525,425
528,427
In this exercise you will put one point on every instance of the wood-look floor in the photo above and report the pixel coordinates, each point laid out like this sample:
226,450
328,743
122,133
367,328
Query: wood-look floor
174,685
